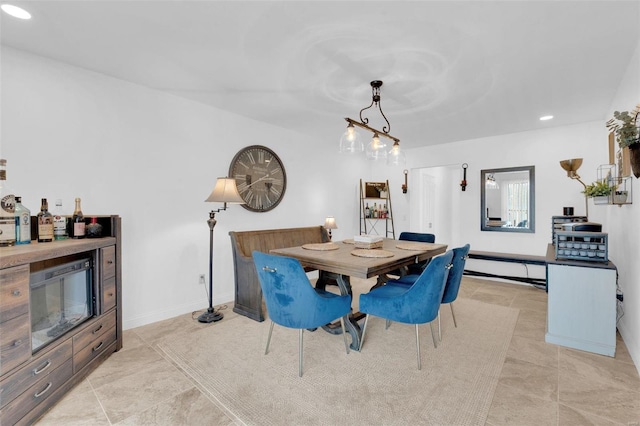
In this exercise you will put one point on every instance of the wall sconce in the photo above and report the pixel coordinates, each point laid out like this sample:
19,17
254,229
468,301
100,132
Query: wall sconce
404,185
329,224
463,184
571,167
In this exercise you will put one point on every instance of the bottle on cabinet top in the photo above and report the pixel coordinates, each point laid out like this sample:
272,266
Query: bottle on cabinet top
59,222
45,223
23,223
94,229
7,209
78,227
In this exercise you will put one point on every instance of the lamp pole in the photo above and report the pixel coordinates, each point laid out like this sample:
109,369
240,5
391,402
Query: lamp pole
211,315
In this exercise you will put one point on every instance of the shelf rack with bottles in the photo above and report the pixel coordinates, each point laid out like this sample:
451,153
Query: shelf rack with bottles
374,216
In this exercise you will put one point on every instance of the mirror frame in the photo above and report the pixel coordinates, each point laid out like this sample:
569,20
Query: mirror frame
532,200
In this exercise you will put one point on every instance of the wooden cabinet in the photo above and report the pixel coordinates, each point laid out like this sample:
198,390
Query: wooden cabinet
31,382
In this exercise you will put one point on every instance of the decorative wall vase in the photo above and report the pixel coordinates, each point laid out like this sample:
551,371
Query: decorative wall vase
634,158
620,197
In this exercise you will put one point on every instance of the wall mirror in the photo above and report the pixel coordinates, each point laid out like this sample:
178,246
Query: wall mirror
507,199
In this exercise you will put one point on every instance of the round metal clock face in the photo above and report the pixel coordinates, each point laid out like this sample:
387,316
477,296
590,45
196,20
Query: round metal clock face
260,177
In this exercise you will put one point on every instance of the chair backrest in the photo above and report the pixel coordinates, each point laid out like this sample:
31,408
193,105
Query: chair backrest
421,301
417,236
291,300
455,274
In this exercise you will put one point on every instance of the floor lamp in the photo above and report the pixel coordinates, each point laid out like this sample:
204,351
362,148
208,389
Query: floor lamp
571,167
225,192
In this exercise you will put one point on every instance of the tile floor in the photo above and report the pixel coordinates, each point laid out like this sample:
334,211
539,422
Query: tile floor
540,384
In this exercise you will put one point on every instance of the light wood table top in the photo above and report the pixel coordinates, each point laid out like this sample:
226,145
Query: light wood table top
342,262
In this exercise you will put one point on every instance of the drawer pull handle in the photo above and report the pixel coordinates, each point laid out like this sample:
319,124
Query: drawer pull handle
43,391
109,262
98,347
39,370
16,293
97,329
110,294
17,342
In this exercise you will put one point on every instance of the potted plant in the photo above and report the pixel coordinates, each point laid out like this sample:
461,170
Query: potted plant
626,127
599,191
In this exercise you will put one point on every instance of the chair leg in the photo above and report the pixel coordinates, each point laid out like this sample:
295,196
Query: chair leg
344,334
387,324
364,330
453,315
439,329
433,335
418,347
266,349
300,354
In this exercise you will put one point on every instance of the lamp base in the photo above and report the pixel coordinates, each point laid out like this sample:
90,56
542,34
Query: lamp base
210,316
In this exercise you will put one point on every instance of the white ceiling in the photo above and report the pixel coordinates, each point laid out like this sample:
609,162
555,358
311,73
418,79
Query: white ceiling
452,70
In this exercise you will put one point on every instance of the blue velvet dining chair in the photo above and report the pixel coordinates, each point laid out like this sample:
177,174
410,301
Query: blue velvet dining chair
417,304
415,268
293,302
460,255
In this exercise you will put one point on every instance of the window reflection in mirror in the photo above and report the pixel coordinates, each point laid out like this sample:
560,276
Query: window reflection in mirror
507,199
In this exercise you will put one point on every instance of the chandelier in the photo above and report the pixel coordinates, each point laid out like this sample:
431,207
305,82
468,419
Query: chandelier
376,149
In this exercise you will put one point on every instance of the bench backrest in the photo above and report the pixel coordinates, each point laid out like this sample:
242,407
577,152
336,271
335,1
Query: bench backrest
245,242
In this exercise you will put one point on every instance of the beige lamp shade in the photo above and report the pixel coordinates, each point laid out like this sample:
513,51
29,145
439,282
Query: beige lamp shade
225,191
330,223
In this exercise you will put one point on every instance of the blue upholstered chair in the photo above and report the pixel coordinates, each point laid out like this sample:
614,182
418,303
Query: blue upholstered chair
416,268
417,304
293,302
452,287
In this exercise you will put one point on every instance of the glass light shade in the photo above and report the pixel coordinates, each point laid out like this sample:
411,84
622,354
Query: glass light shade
351,142
225,191
376,149
396,156
330,223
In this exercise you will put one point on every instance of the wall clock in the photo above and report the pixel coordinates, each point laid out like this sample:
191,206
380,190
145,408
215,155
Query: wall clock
260,177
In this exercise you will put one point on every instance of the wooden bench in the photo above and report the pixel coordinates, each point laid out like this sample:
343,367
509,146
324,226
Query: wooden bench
248,294
525,259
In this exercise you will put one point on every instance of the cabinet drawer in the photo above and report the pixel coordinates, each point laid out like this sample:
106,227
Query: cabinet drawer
95,348
14,292
17,383
108,294
36,394
15,347
108,262
93,331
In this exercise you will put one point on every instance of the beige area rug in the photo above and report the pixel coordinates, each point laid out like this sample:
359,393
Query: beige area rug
380,385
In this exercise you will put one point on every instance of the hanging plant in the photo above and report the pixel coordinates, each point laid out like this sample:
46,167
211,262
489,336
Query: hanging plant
625,126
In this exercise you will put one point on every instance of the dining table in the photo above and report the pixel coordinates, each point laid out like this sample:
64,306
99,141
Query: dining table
338,261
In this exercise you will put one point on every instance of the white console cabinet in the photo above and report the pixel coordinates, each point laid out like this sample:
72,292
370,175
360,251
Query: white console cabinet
582,306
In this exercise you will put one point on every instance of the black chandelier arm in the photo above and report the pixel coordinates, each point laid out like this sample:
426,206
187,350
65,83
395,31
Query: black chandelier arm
365,120
371,129
387,128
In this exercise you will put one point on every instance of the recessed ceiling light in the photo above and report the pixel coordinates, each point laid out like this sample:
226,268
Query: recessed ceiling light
15,11
546,117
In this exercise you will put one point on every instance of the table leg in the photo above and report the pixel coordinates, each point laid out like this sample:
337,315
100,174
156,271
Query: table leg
350,321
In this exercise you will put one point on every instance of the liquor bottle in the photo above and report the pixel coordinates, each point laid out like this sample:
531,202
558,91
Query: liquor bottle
77,222
7,209
375,211
23,223
94,229
367,211
45,223
59,222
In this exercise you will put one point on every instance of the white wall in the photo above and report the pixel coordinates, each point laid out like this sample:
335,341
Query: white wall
153,158
624,225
